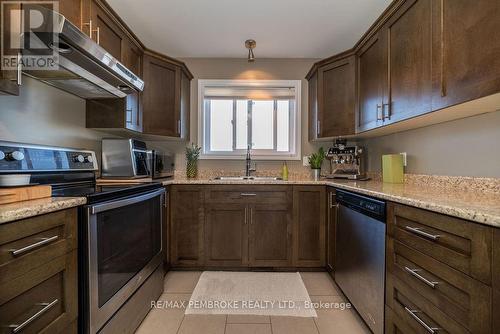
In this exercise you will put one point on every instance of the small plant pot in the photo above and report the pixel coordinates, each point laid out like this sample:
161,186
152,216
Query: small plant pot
315,173
192,169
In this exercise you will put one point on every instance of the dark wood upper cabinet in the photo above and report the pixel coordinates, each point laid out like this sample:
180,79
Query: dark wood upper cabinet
270,234
466,57
161,97
333,96
166,97
103,29
72,10
372,82
313,105
309,226
409,45
226,235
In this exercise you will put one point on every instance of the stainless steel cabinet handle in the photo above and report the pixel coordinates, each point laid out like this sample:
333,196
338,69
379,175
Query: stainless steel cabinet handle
23,250
179,127
428,328
46,306
332,195
418,230
414,273
19,69
318,125
248,194
251,216
388,105
380,116
246,215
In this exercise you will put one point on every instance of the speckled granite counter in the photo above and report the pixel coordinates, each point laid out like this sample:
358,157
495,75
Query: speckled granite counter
25,209
477,206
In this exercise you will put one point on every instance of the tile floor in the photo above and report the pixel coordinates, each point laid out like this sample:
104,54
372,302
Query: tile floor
179,286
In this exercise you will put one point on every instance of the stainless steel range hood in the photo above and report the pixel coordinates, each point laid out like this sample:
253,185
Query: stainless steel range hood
85,68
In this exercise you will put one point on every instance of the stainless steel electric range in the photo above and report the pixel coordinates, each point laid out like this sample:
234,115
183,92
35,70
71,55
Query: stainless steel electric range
120,228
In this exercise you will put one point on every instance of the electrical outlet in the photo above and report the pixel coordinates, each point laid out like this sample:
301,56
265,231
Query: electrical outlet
405,161
305,160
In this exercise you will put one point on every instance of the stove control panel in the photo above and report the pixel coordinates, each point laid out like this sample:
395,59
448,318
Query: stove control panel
17,157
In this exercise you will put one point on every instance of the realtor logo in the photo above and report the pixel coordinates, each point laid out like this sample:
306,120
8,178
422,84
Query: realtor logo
27,35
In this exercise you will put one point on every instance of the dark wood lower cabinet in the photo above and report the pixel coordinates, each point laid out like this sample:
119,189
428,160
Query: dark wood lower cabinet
250,226
331,230
226,235
187,217
441,273
270,242
309,222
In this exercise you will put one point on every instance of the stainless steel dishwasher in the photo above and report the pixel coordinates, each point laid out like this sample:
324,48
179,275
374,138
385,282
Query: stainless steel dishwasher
360,255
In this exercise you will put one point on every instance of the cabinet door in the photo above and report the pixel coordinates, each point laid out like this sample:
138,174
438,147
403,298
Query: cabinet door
105,31
72,10
309,225
226,235
270,235
466,57
336,96
313,106
372,79
161,97
185,106
409,35
330,230
186,219
131,56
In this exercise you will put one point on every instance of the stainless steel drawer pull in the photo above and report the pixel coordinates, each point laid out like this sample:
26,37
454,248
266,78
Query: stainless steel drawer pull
414,273
418,230
44,241
46,306
248,194
414,315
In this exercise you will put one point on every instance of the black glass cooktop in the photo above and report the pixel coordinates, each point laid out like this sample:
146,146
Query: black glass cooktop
99,193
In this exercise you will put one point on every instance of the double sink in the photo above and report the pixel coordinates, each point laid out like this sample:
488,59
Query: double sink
247,178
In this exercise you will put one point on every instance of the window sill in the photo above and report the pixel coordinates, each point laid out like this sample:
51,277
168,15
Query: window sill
254,157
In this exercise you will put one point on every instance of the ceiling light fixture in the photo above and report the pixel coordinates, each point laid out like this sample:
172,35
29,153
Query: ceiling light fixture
250,44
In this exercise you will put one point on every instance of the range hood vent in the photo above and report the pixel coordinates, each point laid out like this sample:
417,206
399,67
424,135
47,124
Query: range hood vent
85,68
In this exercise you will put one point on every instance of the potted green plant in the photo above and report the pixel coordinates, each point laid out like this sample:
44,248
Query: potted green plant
315,161
192,155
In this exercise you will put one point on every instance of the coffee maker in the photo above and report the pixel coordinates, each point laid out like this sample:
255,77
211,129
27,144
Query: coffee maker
346,161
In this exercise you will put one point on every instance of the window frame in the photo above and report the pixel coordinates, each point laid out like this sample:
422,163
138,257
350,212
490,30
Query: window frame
294,152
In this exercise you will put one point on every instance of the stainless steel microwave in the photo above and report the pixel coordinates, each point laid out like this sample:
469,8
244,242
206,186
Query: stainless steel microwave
124,158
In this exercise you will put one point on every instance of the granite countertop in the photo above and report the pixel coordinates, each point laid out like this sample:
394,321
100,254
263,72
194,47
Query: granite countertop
20,210
474,205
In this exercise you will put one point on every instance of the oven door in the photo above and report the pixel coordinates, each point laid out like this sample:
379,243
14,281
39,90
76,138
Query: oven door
124,248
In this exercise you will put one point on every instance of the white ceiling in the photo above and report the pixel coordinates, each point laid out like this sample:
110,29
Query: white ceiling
218,28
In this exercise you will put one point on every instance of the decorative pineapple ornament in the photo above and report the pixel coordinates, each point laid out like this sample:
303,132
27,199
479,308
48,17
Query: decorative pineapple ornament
192,155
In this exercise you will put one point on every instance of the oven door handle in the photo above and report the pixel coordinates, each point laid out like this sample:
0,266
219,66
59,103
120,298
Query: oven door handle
94,209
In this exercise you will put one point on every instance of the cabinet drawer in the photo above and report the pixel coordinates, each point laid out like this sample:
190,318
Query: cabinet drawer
44,300
417,312
28,243
458,296
394,324
249,194
461,244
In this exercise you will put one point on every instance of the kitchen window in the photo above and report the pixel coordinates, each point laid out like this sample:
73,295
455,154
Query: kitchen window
264,114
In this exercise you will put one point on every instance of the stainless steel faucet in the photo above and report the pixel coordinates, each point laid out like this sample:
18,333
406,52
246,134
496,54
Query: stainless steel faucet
249,168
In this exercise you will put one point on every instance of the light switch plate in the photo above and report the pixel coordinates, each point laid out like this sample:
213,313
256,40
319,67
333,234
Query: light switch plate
405,161
305,160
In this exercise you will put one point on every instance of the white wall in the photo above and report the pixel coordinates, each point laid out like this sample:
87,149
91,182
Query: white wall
464,147
48,116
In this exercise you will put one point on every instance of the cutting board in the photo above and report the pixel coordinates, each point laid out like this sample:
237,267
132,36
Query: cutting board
18,194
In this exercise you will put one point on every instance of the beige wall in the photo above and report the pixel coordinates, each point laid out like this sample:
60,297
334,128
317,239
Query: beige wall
465,147
262,69
45,115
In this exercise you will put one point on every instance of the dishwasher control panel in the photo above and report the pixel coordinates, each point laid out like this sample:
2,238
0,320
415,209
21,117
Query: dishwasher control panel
369,206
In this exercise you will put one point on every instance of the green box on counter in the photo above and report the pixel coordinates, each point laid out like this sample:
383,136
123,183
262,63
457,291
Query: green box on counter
392,168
